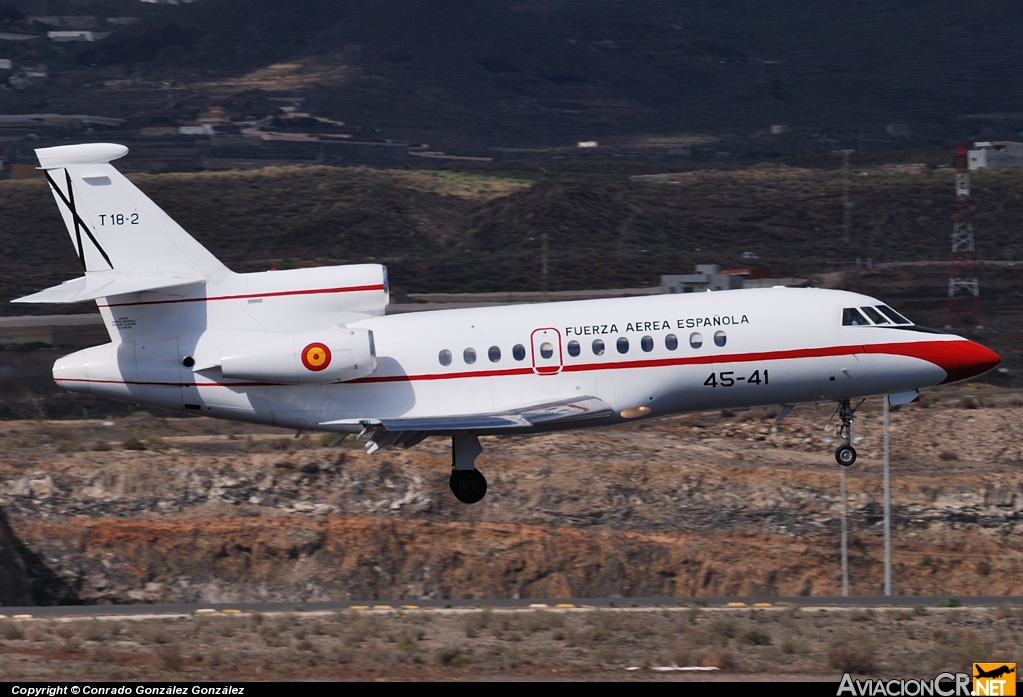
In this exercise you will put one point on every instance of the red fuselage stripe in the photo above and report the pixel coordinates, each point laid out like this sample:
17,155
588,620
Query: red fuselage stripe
918,349
276,294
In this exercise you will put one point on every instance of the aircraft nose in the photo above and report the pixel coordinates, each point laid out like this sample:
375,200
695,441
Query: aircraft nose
964,359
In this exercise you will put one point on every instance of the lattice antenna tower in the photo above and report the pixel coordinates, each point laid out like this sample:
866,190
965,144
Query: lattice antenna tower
963,287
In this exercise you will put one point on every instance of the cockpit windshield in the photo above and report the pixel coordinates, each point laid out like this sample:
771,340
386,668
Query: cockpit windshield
875,316
879,315
895,316
851,317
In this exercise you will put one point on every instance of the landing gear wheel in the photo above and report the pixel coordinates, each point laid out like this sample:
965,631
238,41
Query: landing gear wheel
845,455
468,486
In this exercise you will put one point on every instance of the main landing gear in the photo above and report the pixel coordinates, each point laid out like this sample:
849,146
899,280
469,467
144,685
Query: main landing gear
467,483
845,455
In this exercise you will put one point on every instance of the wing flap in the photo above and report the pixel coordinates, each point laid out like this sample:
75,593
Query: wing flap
103,285
584,407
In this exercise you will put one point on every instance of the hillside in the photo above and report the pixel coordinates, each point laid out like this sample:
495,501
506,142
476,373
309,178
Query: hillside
445,231
476,74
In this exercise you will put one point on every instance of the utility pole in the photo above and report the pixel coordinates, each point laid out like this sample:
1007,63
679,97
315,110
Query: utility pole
846,205
543,266
845,537
887,504
963,286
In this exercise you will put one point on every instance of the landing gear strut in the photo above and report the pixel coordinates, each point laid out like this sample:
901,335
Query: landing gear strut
467,483
845,455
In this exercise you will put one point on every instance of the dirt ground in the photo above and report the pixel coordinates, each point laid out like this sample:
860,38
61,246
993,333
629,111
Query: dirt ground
576,644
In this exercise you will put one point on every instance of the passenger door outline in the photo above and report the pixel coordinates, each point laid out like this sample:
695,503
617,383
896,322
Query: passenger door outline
541,365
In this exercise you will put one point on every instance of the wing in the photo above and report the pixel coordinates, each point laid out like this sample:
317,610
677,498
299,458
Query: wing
381,433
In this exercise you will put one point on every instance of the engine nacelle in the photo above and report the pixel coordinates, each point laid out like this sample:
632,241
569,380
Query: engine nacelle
329,355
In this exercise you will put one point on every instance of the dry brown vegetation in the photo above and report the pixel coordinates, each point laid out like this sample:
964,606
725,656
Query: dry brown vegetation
473,644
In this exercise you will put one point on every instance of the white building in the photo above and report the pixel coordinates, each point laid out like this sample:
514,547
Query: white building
707,277
203,130
64,36
996,154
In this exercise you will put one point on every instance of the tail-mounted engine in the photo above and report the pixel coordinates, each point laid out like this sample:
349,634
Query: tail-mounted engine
332,355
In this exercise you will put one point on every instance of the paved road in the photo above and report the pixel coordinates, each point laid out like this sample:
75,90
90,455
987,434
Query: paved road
581,603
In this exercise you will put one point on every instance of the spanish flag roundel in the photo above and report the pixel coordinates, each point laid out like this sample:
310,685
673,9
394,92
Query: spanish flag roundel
316,356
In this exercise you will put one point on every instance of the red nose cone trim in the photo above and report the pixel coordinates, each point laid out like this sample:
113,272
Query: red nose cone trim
960,359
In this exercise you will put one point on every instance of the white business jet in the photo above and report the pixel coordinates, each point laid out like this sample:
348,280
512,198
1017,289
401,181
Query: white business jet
313,349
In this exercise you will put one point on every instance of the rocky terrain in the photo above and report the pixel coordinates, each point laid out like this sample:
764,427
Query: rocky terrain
171,509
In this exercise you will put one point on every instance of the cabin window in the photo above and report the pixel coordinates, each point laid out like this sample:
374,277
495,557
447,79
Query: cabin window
494,354
573,348
598,347
875,316
696,340
671,342
895,316
623,345
546,349
647,343
518,352
444,357
720,338
469,355
851,317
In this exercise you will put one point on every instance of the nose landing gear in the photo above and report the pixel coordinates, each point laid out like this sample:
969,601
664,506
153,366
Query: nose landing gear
845,455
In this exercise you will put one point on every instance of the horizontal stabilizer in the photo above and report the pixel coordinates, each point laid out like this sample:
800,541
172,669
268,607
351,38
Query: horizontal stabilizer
105,285
567,410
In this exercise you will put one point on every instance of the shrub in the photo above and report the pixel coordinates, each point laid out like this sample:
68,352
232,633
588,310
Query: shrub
156,443
757,637
132,443
851,657
718,658
169,657
541,620
12,631
452,656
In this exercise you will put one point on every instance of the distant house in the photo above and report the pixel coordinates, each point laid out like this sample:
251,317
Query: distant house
16,170
707,277
150,131
214,115
49,21
713,277
203,130
71,35
6,64
996,155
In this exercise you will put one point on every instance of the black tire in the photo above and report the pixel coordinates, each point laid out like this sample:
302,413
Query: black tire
468,486
845,455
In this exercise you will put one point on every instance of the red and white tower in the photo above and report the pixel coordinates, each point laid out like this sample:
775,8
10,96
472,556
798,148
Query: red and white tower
963,287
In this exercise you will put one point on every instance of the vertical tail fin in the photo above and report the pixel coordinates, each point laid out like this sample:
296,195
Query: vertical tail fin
114,226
